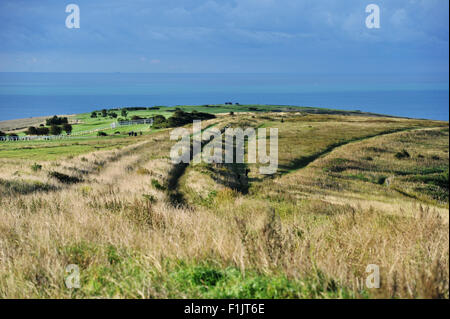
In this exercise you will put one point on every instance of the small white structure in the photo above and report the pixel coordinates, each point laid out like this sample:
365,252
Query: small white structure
134,122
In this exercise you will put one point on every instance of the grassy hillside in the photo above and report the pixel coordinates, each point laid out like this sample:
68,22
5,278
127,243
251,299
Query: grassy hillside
352,189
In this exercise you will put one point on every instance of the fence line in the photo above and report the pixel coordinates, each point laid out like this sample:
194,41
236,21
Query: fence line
76,134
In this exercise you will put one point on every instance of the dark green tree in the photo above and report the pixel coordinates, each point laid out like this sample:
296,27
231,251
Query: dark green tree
32,131
55,130
67,128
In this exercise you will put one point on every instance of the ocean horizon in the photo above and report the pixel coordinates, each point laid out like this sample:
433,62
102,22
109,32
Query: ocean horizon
24,95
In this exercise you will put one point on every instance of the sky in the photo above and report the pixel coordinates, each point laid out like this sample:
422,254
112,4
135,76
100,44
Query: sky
236,36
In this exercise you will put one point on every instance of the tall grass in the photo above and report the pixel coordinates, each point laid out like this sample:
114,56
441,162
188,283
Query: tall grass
289,237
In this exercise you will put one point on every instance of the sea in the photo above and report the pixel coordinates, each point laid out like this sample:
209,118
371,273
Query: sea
24,95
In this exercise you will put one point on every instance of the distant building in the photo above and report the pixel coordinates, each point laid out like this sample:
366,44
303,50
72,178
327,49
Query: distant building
133,122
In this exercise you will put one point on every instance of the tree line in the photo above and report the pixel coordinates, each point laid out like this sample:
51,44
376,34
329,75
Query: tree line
180,118
56,126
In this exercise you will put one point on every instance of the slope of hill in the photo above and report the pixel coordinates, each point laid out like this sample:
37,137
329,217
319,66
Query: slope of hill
351,190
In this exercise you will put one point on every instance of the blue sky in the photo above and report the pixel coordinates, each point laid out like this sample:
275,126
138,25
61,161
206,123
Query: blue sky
309,36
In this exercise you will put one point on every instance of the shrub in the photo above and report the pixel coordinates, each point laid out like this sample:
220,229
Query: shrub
2,133
136,108
94,114
381,180
102,134
180,118
67,128
403,154
37,130
43,131
159,119
36,167
104,113
124,113
136,117
157,185
55,120
31,131
55,130
23,187
65,179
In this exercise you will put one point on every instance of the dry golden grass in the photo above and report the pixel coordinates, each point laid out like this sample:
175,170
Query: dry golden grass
131,241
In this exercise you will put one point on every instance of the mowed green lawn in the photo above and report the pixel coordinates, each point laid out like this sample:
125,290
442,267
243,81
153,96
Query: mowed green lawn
55,149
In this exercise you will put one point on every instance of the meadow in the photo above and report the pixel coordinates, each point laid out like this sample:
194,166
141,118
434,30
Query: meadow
352,189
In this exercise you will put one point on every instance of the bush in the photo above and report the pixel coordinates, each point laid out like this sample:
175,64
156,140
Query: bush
55,120
67,128
403,154
138,108
102,134
104,113
37,131
136,117
43,131
435,158
55,130
31,131
2,133
124,113
159,121
65,179
180,118
36,167
94,114
157,185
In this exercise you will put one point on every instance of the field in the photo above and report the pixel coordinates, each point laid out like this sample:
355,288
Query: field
352,189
